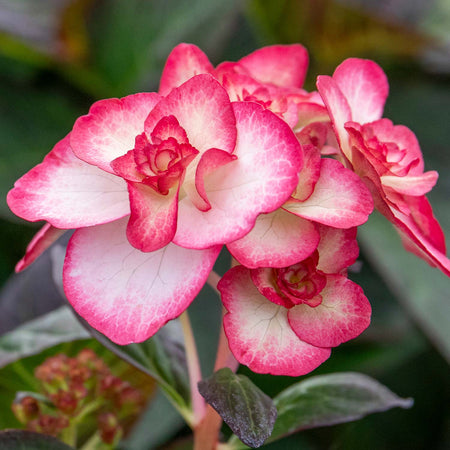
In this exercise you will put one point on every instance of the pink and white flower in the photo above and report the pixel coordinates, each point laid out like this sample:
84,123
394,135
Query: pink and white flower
387,157
154,186
284,321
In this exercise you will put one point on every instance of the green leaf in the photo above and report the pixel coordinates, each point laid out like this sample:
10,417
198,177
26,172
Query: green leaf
244,407
331,399
39,334
28,440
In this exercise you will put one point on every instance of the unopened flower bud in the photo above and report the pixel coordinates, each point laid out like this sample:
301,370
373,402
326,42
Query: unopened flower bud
26,409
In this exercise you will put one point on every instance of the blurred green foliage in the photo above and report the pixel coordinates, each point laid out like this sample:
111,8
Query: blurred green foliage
83,50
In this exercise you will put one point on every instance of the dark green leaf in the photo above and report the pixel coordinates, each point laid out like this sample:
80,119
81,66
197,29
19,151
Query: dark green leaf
244,407
28,440
331,399
39,334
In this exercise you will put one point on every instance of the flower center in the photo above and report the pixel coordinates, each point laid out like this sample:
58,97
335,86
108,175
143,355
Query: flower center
163,158
302,282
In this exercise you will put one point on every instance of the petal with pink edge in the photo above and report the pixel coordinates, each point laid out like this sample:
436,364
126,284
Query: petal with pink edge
365,86
281,65
41,241
258,332
68,193
259,181
202,107
124,293
110,128
338,109
184,62
337,248
340,199
278,239
153,219
343,314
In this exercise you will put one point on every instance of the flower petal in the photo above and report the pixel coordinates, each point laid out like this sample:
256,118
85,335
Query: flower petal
110,128
259,181
126,294
340,199
258,332
278,239
40,242
203,109
153,219
343,314
365,86
68,193
337,248
281,65
184,62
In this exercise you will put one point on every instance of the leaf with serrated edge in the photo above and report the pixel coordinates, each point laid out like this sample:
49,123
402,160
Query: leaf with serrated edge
249,412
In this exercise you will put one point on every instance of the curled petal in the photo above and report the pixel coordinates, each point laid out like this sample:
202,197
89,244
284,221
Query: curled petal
343,314
184,62
110,128
124,293
411,185
40,242
278,239
340,199
68,193
259,181
258,331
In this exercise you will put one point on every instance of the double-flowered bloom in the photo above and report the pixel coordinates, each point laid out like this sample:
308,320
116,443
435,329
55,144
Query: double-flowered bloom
239,155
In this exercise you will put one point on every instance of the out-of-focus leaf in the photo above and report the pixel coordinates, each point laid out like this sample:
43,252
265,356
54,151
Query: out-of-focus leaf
423,290
131,40
28,440
331,399
36,335
243,406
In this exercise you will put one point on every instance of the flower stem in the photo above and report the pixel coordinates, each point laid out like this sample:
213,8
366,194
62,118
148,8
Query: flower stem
195,375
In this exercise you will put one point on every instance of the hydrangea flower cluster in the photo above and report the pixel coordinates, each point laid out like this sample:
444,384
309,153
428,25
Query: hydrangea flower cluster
155,184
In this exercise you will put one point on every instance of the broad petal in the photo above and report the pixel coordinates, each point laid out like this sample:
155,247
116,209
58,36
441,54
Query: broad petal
258,332
365,86
153,219
40,242
203,109
68,193
278,239
338,109
340,199
281,65
184,62
343,314
337,248
110,128
124,293
259,181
